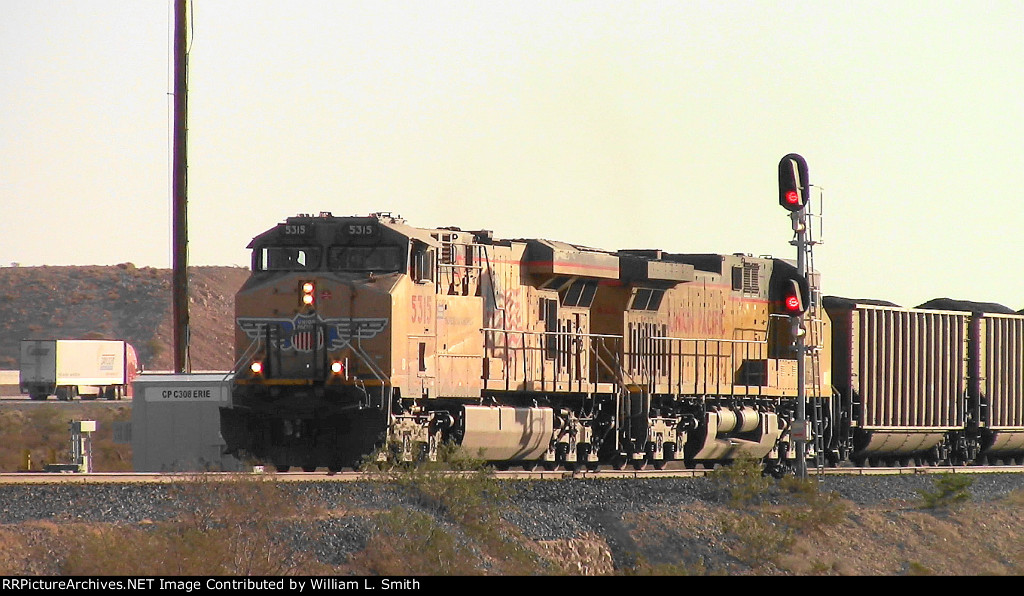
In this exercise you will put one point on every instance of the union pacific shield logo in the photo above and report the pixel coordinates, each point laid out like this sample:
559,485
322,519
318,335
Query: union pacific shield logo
304,333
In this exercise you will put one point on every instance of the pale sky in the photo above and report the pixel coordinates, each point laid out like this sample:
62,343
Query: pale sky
612,124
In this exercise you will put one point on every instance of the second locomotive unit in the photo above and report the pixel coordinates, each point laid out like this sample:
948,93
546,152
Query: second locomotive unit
358,332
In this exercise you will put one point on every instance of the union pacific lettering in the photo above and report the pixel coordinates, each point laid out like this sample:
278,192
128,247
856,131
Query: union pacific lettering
698,323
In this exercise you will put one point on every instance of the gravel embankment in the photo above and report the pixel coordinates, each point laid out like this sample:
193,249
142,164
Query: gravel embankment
539,499
543,510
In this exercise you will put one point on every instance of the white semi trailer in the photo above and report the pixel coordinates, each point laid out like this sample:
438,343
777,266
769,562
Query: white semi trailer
67,368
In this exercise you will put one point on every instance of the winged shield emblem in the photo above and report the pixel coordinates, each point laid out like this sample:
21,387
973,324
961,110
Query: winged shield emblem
304,333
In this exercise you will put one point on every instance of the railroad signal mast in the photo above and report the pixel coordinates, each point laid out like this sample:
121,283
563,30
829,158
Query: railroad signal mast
794,196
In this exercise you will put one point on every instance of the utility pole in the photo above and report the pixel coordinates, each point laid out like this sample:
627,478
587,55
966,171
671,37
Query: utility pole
180,192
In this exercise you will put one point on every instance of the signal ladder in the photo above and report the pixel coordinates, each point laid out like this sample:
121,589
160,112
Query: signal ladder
815,325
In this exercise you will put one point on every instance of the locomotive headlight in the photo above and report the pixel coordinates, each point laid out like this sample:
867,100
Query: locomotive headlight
337,367
256,367
307,290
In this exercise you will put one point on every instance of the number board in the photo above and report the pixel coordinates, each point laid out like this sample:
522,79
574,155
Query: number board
296,231
360,230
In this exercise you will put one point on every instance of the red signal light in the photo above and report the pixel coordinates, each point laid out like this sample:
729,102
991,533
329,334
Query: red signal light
793,198
795,295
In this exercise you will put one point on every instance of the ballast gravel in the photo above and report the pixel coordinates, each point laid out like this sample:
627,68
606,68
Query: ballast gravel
541,509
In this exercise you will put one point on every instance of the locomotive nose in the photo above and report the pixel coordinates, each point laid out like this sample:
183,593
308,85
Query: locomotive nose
320,328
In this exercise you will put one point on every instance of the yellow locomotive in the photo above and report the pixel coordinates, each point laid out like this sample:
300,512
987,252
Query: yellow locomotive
358,332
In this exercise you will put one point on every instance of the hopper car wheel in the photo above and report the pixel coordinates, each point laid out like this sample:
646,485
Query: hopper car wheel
309,468
334,469
282,469
550,466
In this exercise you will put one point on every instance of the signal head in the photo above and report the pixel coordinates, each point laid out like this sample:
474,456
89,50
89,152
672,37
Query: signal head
794,187
795,295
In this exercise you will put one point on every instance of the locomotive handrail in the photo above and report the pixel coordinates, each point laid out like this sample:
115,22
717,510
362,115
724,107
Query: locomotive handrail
530,350
569,333
252,349
671,373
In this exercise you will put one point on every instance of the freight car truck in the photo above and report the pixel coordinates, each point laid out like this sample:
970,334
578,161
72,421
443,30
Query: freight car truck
88,368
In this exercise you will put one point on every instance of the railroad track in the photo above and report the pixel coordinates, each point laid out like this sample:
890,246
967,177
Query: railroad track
350,476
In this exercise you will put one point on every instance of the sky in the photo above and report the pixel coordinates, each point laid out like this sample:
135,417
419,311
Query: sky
610,124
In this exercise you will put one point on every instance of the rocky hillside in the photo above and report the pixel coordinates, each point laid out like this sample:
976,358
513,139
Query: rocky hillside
119,302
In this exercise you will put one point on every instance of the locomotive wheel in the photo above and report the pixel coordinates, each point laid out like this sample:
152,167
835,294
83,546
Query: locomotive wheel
619,462
640,464
529,466
668,453
583,458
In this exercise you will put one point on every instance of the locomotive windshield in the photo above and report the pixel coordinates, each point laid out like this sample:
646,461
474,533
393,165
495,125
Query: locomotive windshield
377,259
287,258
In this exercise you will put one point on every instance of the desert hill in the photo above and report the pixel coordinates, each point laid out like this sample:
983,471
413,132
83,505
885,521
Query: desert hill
119,302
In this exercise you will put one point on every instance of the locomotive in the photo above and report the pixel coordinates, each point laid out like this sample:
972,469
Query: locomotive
359,333
355,333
